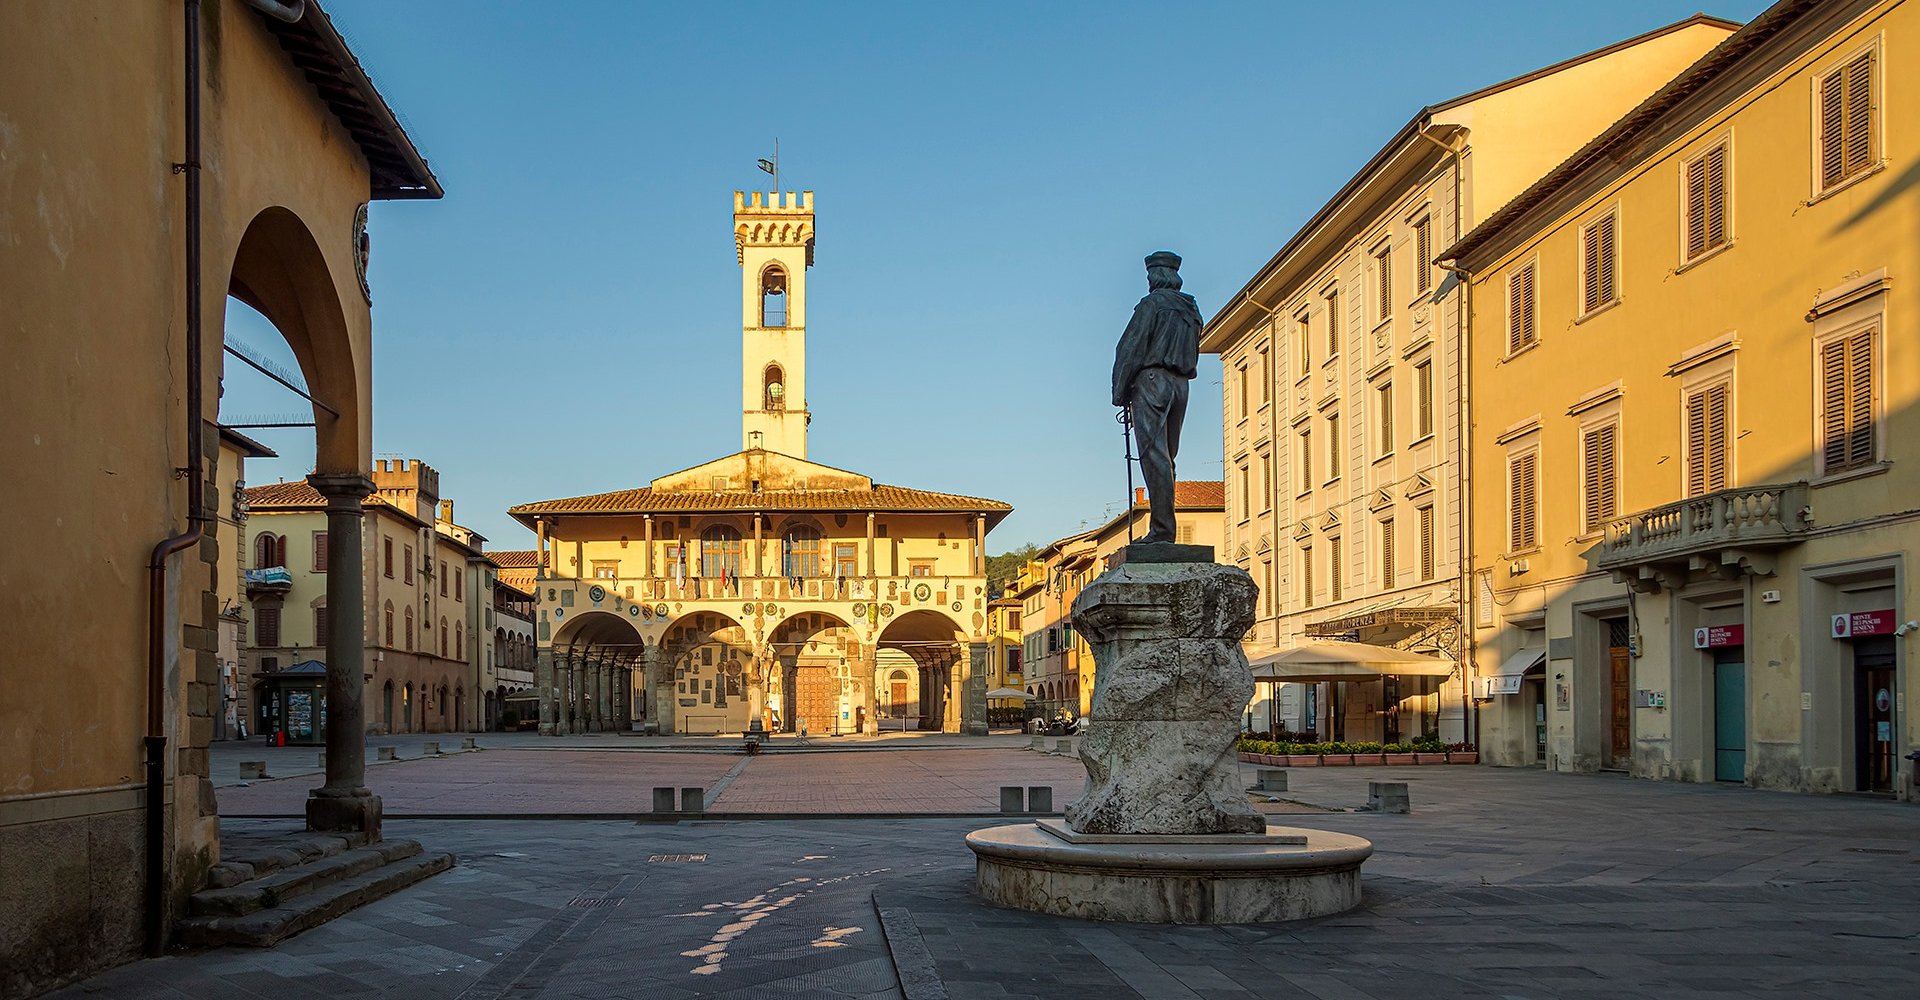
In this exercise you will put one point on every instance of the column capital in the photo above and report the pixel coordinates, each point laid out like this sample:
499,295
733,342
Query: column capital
343,490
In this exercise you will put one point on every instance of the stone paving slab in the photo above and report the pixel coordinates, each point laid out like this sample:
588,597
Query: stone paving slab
1500,884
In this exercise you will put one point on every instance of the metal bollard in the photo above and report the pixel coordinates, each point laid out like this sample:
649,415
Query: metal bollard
1013,799
1040,798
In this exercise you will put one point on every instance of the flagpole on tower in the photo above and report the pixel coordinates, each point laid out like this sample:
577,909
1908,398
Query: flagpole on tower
773,166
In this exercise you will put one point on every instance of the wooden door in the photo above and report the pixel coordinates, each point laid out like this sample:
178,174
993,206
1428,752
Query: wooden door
1874,701
813,701
1729,718
1620,688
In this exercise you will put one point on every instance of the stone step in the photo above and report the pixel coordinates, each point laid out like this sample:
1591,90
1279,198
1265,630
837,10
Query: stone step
267,927
244,858
277,888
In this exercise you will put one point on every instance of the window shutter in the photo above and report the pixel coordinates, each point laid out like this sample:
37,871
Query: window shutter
1426,543
1697,208
1333,446
1707,440
1386,416
1522,529
1597,243
1858,136
1860,405
1306,575
1423,384
1384,261
1334,566
320,626
1423,263
1600,474
266,626
1846,390
280,550
319,552
1333,322
1830,122
1520,301
1715,168
1833,405
1386,553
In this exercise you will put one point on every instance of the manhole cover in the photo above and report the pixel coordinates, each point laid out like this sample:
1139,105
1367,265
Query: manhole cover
592,902
1875,850
660,859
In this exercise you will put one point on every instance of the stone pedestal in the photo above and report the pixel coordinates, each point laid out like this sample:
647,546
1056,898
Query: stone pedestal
1164,832
1170,686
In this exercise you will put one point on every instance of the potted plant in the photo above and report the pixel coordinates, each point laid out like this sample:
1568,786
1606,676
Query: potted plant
1398,753
1463,753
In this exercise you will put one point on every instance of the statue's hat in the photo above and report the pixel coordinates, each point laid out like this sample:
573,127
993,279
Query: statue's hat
1164,258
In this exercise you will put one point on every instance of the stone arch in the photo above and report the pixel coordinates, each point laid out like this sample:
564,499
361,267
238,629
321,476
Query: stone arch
773,387
936,644
594,653
280,271
775,295
710,672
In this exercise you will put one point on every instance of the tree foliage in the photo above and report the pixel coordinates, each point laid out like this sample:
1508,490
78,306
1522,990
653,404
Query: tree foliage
1001,569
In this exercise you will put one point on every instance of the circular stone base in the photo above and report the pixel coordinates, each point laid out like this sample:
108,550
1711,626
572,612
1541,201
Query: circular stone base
1027,868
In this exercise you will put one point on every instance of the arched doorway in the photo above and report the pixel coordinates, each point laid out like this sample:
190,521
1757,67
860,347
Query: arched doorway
709,674
821,678
406,708
386,707
935,644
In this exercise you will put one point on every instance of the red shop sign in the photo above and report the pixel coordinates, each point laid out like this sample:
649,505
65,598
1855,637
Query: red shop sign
1716,636
1861,623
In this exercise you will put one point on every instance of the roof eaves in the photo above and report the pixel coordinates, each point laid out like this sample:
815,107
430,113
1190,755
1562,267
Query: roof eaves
395,166
1634,123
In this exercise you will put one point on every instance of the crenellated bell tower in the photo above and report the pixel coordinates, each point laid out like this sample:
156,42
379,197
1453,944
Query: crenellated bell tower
773,234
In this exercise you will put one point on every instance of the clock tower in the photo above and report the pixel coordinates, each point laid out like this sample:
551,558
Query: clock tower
773,236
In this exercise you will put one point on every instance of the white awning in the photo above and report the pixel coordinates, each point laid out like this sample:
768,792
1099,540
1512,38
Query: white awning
1008,693
1507,681
1346,661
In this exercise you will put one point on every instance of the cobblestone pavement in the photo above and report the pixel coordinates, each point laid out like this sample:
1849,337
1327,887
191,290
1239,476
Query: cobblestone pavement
1501,884
593,784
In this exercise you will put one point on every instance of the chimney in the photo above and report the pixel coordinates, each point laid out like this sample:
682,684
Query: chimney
1139,494
446,511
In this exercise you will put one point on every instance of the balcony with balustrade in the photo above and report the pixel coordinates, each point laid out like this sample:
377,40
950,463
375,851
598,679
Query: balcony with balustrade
1724,534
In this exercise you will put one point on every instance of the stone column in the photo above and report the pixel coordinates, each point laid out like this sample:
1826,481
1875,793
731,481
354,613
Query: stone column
563,693
595,686
973,704
603,686
866,664
660,682
1166,710
543,681
344,804
580,693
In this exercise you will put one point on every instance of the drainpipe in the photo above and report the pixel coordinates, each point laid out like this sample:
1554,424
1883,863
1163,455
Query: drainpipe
1463,317
156,738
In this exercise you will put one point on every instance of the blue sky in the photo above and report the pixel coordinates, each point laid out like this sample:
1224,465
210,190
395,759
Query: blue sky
987,180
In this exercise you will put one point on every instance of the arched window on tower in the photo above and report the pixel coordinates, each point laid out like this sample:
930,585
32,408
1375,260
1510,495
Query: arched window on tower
773,388
773,296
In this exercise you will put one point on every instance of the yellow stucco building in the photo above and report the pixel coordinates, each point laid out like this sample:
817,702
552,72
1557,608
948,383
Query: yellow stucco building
133,212
762,585
1694,423
1343,396
427,597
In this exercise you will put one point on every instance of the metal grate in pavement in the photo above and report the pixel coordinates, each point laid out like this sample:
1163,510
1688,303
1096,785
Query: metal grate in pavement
594,902
1876,850
659,859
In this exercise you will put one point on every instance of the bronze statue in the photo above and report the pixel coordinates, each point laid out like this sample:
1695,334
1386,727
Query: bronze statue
1157,357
